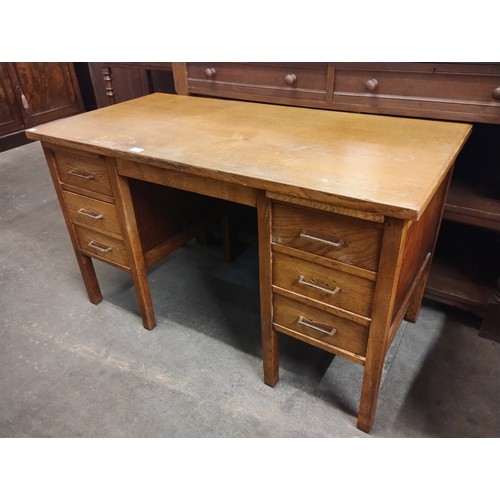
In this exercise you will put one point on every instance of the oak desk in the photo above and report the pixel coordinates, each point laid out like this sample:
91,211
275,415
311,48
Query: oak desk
348,208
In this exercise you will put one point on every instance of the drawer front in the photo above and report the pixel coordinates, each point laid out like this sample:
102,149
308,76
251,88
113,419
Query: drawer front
299,81
435,84
85,171
338,237
333,287
314,323
102,246
92,213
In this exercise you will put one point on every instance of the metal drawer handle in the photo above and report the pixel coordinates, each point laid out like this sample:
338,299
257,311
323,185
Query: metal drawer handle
99,247
82,175
90,213
302,281
336,244
327,330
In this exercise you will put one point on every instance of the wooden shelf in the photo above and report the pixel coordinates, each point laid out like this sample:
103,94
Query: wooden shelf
448,285
466,204
465,267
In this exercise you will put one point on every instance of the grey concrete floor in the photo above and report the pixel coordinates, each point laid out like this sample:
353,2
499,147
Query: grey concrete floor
69,368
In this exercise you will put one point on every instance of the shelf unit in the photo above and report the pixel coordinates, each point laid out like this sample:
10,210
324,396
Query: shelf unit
466,267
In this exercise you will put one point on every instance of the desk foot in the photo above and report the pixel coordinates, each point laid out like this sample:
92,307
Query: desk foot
370,389
270,355
418,294
149,323
89,278
364,426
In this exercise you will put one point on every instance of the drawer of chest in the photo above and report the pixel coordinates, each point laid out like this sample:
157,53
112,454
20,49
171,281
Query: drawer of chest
434,83
300,81
305,322
335,287
346,239
92,213
84,170
102,246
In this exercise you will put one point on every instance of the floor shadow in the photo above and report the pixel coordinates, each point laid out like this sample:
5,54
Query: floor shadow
455,392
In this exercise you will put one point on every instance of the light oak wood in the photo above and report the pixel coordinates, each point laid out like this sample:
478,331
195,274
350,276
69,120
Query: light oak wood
223,190
92,213
270,344
348,335
85,264
391,263
340,289
102,246
137,263
84,171
364,197
274,148
345,239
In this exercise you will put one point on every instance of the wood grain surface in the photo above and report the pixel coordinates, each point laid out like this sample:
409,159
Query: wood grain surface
375,163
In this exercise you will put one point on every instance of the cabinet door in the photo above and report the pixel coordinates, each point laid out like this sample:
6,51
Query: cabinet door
113,84
10,116
45,91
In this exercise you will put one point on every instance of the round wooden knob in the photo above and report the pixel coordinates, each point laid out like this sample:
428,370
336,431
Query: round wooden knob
290,79
496,94
371,85
210,72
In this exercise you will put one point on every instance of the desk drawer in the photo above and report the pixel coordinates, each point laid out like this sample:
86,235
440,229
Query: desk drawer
333,287
313,323
92,213
439,83
85,171
338,237
102,246
295,80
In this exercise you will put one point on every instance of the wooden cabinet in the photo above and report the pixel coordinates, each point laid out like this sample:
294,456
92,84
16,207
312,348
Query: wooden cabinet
10,114
462,92
35,93
466,268
106,83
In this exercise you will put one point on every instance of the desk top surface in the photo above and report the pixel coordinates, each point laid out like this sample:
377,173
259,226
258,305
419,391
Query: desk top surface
383,164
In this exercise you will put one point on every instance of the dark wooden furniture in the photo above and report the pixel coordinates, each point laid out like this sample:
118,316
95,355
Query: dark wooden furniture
106,83
34,93
466,269
341,260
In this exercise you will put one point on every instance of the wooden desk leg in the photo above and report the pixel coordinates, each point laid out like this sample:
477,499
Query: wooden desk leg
383,305
371,386
126,216
85,263
270,347
417,295
89,278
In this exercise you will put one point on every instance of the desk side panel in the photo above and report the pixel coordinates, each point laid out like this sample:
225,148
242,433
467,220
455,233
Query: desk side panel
419,247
